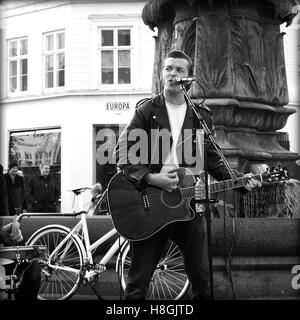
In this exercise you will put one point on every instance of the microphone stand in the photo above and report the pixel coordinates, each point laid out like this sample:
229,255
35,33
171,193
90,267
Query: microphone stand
207,200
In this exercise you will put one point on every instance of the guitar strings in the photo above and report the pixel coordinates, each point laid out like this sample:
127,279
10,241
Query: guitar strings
155,198
202,188
182,190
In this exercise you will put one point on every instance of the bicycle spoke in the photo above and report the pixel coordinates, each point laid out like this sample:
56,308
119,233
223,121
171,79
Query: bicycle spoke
160,290
163,280
169,280
58,283
171,251
151,289
173,283
171,258
173,272
175,277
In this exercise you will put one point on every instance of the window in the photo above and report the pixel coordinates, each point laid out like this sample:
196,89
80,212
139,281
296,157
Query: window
17,65
30,148
115,55
28,159
54,59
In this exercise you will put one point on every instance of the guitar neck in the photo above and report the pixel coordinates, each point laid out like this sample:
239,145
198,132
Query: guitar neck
220,186
230,184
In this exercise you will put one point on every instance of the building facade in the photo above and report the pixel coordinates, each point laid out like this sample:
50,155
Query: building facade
72,73
69,70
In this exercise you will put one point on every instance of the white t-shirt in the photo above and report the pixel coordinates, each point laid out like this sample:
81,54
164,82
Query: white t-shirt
176,113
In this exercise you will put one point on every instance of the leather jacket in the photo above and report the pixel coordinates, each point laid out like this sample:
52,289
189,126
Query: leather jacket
152,117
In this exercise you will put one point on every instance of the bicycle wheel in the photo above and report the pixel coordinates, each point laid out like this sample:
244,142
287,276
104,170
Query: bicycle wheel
58,284
169,281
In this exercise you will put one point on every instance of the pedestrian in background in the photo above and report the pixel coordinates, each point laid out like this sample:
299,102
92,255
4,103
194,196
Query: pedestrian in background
15,187
3,195
95,206
42,193
28,271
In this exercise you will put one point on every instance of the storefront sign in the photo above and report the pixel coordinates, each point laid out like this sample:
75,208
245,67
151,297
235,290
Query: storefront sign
117,106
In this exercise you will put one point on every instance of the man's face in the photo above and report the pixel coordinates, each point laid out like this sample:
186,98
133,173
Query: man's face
45,170
13,171
174,67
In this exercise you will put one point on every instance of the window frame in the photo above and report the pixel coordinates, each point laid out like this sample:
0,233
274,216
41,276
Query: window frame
54,52
17,58
111,20
115,48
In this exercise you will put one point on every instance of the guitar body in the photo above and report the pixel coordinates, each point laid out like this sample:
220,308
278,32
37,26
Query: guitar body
137,215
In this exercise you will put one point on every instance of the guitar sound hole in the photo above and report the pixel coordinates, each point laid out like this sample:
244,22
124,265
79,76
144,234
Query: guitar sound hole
172,199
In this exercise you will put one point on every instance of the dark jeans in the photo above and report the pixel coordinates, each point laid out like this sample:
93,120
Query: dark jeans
191,238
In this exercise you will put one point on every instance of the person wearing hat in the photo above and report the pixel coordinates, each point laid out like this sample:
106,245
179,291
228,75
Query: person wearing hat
15,187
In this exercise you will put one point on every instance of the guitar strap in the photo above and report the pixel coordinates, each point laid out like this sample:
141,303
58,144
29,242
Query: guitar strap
196,123
196,127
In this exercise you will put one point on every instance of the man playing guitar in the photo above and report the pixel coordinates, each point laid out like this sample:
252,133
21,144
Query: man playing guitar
169,110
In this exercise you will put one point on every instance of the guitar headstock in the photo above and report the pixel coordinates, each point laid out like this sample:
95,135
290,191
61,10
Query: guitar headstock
275,174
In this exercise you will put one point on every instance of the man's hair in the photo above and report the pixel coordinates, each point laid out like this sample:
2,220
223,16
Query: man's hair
178,54
44,163
97,187
13,164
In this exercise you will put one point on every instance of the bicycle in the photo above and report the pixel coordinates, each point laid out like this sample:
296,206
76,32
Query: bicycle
68,260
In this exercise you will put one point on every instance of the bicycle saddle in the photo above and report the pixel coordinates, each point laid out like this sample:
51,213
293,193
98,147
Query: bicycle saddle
80,190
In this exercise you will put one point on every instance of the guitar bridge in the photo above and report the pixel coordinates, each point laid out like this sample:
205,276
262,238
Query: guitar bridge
146,202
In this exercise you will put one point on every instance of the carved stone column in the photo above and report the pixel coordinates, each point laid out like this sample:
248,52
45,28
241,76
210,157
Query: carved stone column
237,49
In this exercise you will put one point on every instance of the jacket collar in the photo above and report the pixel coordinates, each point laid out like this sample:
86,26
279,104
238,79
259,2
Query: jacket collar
160,114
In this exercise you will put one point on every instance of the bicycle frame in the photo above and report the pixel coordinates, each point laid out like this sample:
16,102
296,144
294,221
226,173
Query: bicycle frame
77,237
87,247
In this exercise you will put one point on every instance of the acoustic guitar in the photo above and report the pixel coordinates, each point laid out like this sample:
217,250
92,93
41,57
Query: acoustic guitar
138,215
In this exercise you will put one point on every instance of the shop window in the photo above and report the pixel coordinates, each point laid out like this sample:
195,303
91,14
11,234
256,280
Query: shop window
30,148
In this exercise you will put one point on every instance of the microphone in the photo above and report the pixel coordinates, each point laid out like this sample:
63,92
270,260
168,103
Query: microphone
178,80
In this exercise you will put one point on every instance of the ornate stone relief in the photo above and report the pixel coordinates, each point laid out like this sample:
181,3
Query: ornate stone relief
239,61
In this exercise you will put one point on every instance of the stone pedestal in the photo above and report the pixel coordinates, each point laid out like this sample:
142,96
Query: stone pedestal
237,49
